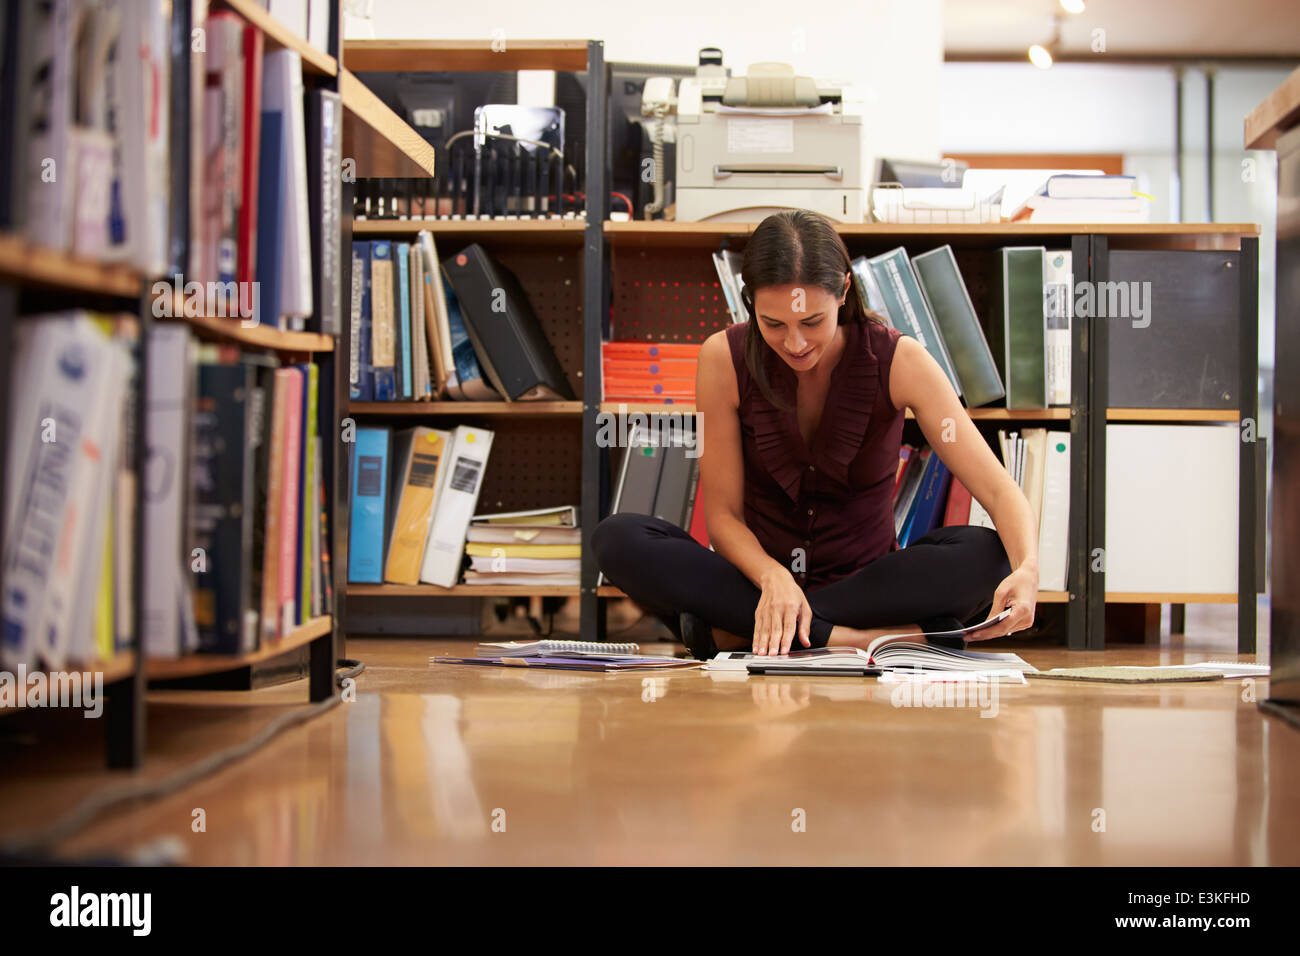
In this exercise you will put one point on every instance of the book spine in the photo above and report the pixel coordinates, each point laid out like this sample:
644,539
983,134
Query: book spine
361,377
276,454
383,331
402,315
250,151
307,493
290,482
325,198
457,497
414,507
369,489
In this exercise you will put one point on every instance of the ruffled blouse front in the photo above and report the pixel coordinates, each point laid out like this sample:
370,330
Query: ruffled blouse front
835,500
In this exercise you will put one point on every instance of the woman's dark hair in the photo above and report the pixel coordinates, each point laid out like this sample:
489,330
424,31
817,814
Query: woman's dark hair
796,247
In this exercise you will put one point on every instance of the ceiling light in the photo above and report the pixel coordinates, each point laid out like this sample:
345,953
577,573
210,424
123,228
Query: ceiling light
1040,57
1072,6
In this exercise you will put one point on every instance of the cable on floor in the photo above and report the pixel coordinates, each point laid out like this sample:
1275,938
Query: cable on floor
33,848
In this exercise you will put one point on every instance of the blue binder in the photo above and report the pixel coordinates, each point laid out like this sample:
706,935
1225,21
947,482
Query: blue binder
369,481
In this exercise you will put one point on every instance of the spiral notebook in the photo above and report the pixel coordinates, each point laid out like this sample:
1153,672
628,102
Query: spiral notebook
557,649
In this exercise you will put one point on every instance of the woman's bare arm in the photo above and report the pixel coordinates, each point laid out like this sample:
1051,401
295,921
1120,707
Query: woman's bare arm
722,472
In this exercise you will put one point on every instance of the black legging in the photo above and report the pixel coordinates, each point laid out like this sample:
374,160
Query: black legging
942,580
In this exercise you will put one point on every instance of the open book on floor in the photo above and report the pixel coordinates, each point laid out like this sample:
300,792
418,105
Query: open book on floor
933,651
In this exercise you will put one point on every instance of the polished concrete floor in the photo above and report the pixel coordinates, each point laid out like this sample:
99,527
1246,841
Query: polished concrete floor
456,765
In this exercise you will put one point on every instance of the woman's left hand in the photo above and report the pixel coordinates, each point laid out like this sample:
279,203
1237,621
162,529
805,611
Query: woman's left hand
1019,592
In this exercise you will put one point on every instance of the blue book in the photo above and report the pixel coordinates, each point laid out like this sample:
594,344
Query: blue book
931,497
270,219
369,497
402,253
362,385
383,320
468,373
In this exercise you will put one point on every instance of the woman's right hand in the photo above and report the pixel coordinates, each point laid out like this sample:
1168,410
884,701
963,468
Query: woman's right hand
782,612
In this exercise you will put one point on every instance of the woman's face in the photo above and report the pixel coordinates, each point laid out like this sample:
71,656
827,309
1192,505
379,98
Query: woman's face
798,322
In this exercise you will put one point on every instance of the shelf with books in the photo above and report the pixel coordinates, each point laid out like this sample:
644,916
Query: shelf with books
279,36
423,56
452,408
537,457
194,665
665,290
148,380
228,329
379,141
31,264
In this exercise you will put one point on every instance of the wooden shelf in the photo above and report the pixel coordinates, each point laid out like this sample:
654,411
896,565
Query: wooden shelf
1279,112
118,668
516,230
1044,597
463,590
1172,414
259,336
380,141
525,409
195,665
423,56
1169,597
977,414
279,36
36,265
642,233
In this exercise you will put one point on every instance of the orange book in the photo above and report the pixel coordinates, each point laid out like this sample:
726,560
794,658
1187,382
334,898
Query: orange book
637,349
657,368
418,456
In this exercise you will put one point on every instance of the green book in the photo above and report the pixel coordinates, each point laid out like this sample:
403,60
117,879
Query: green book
1019,326
949,300
906,306
868,290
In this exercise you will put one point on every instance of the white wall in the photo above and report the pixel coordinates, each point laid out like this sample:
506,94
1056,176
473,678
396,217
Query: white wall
1099,108
891,49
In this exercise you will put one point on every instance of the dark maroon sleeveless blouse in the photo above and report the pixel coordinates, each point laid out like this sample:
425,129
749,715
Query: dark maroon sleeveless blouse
835,500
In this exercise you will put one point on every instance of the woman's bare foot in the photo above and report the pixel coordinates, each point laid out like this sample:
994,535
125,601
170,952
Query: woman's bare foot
862,637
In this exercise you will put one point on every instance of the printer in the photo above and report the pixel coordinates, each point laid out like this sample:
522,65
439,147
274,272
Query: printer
748,146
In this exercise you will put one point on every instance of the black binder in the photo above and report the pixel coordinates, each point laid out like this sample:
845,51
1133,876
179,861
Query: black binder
510,344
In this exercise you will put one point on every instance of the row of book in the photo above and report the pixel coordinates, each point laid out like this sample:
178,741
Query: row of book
461,329
199,168
925,297
1028,360
413,495
640,371
927,495
235,550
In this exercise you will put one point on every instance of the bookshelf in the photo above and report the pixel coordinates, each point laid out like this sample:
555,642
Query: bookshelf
37,280
537,452
623,284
